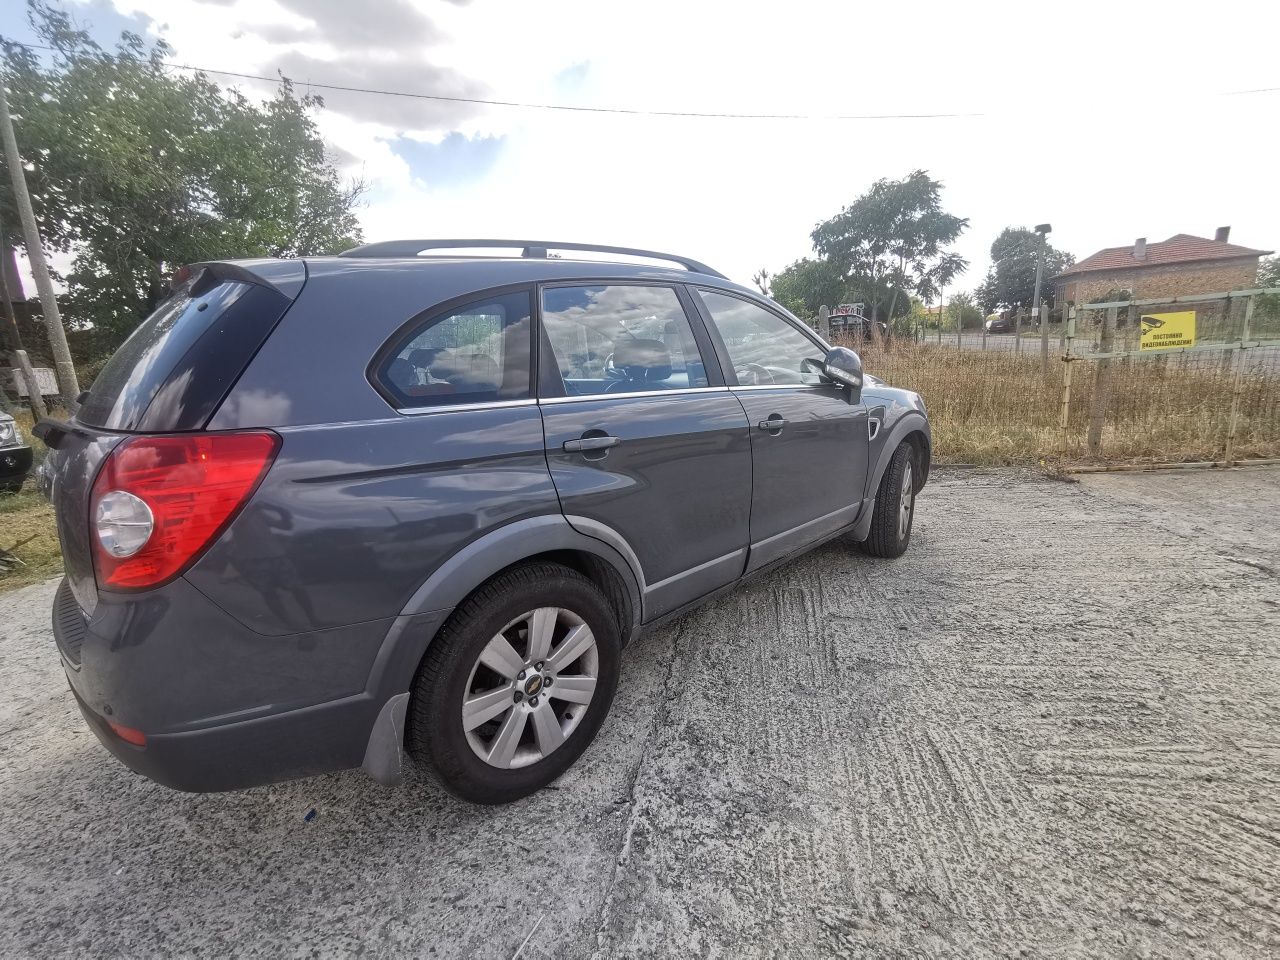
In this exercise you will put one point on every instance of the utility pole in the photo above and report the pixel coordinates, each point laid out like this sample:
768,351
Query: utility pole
68,385
21,360
1042,231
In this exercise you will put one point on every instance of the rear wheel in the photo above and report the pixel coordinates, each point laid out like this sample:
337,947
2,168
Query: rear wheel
895,507
516,684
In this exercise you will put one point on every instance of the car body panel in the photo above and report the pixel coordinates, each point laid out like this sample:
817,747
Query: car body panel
353,518
677,488
808,476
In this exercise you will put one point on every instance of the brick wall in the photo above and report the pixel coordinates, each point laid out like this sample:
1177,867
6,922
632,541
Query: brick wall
1169,280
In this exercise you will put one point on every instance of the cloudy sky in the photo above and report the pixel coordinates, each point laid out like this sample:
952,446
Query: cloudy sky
1110,120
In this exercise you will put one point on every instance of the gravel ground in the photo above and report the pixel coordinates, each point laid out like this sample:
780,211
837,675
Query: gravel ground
1053,728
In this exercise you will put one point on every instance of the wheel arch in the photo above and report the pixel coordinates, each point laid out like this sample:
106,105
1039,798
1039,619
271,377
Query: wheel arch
911,427
546,537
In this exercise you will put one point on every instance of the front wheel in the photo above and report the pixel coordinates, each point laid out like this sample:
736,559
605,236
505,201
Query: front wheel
895,507
517,683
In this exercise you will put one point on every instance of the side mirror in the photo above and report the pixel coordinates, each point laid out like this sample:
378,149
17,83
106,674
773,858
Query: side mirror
844,367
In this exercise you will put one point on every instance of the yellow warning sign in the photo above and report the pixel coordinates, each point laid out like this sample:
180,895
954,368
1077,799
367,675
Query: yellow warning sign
1160,331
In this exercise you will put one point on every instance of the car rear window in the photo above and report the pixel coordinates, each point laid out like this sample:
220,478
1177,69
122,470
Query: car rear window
155,381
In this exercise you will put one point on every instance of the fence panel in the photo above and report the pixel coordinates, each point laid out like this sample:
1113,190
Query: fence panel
1180,404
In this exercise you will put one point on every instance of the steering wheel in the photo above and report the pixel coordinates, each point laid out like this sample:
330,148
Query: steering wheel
760,376
610,371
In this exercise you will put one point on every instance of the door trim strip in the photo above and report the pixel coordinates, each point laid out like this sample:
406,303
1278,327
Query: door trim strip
694,570
637,393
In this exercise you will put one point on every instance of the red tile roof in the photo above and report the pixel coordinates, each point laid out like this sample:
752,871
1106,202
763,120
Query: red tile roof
1180,248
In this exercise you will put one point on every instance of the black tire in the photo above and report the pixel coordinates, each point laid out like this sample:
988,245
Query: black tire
436,735
887,537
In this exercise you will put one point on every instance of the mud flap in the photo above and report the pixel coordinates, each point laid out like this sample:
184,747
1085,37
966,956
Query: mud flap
384,756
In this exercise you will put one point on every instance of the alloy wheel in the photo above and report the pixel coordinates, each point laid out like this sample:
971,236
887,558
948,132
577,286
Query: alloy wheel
906,502
530,687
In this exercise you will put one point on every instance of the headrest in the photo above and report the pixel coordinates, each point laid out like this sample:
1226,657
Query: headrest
423,357
642,359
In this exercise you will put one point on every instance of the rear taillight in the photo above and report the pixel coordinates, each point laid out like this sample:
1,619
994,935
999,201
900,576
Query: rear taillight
159,501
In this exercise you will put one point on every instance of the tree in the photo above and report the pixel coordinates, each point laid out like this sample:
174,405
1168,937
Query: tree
1267,309
1011,280
962,309
807,285
890,242
761,279
137,170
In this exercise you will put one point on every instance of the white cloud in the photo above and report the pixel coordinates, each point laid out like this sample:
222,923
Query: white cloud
1102,119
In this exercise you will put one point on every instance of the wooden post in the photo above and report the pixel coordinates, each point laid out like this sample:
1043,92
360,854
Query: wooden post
959,327
1229,355
824,323
1101,384
1238,387
1017,330
1068,333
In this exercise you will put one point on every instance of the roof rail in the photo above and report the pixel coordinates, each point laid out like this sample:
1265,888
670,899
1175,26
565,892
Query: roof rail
531,249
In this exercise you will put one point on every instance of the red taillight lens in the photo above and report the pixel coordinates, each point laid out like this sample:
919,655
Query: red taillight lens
193,485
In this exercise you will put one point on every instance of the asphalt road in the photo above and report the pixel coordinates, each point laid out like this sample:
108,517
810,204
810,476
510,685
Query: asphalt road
1053,728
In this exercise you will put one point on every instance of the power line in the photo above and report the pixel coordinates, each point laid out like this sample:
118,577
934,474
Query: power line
626,111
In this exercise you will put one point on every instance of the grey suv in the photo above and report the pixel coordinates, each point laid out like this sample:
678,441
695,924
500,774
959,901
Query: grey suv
317,511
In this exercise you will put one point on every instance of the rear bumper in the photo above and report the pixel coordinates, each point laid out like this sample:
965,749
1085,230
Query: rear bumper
300,743
221,707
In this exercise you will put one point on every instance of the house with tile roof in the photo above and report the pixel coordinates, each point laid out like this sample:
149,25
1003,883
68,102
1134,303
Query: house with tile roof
1177,267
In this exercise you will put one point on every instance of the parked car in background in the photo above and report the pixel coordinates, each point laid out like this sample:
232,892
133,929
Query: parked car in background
316,511
999,324
15,455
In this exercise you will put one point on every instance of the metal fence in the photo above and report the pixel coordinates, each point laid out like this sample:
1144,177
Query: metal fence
1087,390
1193,378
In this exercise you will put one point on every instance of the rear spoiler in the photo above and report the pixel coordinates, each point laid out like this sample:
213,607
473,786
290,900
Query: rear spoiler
286,277
52,432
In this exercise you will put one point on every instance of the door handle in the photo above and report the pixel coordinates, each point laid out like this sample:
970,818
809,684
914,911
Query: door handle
773,424
591,443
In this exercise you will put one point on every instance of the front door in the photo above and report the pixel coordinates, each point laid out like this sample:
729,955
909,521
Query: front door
809,438
647,447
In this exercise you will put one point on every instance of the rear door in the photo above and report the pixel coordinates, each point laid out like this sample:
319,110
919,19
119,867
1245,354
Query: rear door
809,442
647,447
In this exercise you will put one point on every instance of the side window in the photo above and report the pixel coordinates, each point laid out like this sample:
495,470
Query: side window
621,339
472,354
764,348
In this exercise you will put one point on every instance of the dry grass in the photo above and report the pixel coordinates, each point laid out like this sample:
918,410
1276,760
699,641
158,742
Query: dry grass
27,528
28,532
998,407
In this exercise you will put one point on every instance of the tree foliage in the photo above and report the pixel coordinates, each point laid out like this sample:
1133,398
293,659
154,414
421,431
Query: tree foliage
890,243
807,285
963,309
1011,281
1268,305
137,170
